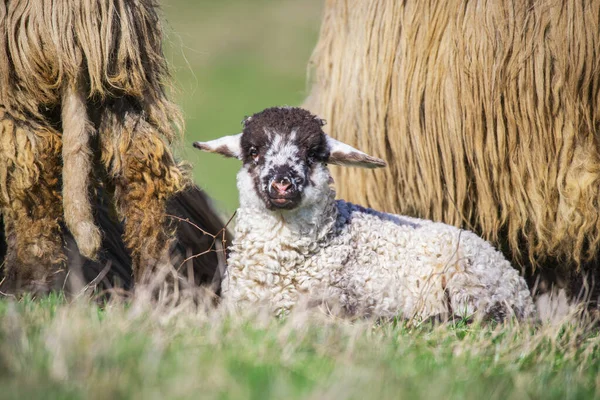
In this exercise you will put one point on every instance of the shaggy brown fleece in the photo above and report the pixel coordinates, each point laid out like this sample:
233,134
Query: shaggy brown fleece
82,92
2,241
31,202
486,111
191,211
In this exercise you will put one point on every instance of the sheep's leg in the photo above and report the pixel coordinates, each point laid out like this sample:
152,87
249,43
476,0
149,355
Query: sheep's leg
145,176
485,295
77,132
31,204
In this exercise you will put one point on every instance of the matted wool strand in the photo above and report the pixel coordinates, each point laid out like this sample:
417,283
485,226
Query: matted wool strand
486,111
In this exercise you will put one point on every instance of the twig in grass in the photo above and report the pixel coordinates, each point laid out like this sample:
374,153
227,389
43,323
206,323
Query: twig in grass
222,232
221,262
5,294
94,282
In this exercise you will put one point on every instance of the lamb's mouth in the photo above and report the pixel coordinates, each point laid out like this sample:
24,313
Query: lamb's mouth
286,203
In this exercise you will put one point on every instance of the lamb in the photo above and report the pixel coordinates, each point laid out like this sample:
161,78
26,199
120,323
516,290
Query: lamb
294,241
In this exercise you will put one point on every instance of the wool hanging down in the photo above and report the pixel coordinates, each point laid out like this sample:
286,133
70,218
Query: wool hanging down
487,112
83,106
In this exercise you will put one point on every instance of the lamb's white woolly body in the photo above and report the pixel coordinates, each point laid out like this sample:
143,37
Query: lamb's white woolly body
294,242
370,263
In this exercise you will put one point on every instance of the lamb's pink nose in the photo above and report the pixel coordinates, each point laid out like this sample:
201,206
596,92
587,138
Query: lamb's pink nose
282,186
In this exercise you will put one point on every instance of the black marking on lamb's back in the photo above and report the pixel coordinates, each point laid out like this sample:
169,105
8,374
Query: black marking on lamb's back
346,212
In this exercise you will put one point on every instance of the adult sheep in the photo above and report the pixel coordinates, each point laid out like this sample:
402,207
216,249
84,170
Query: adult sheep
83,106
486,110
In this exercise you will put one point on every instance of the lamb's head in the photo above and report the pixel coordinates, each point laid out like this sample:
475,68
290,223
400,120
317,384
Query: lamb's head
285,155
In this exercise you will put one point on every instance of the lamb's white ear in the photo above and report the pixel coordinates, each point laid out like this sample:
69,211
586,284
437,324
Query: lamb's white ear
229,146
343,154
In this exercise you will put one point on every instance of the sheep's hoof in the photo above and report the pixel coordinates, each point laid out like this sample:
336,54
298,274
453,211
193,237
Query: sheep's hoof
88,239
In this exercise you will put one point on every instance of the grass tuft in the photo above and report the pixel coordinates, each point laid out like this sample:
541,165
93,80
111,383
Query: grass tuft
53,348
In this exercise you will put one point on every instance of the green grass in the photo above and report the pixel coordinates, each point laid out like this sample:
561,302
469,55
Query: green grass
53,349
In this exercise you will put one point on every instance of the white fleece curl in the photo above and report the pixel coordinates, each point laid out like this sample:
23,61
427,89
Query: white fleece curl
370,263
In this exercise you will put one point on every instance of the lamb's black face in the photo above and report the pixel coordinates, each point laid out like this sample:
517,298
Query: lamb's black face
281,148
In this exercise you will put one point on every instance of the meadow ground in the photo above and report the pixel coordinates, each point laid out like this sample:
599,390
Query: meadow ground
231,58
53,349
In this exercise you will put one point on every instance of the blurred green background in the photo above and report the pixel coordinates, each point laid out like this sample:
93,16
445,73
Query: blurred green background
229,59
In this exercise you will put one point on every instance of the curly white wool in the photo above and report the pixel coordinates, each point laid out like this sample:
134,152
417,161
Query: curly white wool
294,242
370,263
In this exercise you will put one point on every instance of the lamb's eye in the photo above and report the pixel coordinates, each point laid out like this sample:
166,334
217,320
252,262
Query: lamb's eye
253,153
312,154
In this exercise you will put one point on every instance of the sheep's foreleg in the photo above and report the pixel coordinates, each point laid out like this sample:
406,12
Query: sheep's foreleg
30,170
